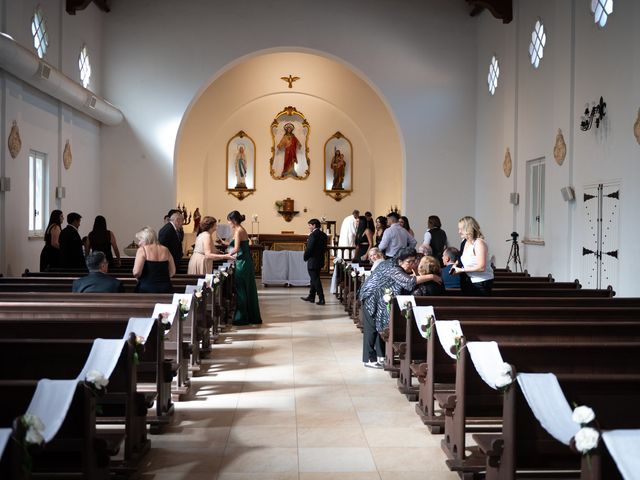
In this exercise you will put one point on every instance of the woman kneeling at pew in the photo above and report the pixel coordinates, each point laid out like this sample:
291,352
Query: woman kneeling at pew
395,276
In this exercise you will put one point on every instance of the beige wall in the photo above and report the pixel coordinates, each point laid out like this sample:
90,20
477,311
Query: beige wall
247,97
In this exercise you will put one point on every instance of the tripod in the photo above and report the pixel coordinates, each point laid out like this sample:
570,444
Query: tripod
514,255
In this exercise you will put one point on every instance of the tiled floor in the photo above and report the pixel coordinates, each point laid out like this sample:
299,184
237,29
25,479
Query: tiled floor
290,400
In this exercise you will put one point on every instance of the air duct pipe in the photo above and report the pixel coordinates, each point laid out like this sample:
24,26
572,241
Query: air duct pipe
25,65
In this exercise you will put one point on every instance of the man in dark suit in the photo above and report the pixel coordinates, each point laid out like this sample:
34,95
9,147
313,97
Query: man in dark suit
97,281
314,256
71,247
171,235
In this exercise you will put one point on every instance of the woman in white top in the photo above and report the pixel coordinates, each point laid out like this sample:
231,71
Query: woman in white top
474,259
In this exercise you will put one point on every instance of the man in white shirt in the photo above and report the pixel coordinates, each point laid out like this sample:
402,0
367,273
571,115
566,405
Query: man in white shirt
395,237
348,231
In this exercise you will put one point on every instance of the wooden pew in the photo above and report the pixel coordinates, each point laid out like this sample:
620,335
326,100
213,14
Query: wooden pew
154,372
77,449
474,398
524,445
121,404
413,349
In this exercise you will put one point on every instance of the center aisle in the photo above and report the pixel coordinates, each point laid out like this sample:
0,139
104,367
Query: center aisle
290,399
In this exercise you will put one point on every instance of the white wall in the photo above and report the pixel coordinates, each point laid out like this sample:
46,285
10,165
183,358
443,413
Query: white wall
45,125
581,62
161,54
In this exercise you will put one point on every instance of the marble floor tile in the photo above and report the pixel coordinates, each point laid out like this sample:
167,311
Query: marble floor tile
259,459
331,459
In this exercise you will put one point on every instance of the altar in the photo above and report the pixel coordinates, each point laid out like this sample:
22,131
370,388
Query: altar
284,267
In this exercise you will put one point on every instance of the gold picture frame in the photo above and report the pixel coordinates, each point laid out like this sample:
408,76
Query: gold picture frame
290,145
241,165
338,166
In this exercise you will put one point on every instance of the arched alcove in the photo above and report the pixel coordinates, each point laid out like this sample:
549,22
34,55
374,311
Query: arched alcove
247,96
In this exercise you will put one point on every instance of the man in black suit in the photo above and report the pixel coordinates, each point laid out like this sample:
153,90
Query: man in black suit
71,247
314,256
171,235
97,281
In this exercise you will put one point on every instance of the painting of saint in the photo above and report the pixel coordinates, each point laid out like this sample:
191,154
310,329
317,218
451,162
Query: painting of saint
290,136
289,145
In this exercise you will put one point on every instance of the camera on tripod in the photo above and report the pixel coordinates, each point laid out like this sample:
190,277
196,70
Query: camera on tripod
514,254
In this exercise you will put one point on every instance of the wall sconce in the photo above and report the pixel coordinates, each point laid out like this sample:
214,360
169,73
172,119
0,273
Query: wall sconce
597,113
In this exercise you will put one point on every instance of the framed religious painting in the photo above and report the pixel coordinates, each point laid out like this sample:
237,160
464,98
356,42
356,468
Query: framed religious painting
338,166
290,147
241,165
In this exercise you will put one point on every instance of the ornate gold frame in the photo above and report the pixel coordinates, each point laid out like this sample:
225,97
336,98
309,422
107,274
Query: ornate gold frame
241,193
287,115
338,193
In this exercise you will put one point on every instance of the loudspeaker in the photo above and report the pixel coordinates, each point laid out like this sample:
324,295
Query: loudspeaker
514,198
568,193
61,192
5,184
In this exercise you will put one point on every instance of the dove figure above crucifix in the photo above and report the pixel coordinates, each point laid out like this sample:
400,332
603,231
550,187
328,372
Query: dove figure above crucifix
290,80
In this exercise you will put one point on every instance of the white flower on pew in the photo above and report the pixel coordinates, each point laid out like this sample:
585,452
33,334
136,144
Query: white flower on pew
164,318
361,274
139,340
354,273
198,294
583,415
388,295
216,280
97,379
505,376
586,439
34,429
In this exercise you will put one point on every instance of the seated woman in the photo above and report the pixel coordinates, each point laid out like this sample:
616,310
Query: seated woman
153,266
429,264
396,276
201,261
102,240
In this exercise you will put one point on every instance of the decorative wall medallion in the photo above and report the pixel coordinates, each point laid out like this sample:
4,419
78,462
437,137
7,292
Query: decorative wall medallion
66,155
14,142
507,164
636,128
560,148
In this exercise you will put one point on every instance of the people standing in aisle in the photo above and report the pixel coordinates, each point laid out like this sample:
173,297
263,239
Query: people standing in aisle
71,246
102,240
395,276
50,255
153,266
247,306
314,255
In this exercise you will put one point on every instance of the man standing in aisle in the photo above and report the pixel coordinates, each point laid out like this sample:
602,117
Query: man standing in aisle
314,256
71,247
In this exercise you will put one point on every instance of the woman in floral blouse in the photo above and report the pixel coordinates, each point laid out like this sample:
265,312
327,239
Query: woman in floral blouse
397,276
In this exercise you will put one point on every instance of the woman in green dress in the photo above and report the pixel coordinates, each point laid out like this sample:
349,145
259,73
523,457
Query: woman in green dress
247,307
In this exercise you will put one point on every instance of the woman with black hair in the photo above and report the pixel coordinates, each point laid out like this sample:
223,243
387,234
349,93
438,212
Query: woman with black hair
381,226
50,255
102,240
247,306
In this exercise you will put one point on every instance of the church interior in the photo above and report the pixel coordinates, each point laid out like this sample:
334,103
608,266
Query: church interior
524,114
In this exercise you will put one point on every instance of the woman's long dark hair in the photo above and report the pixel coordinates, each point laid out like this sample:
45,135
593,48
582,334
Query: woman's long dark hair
54,219
236,217
405,221
99,224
